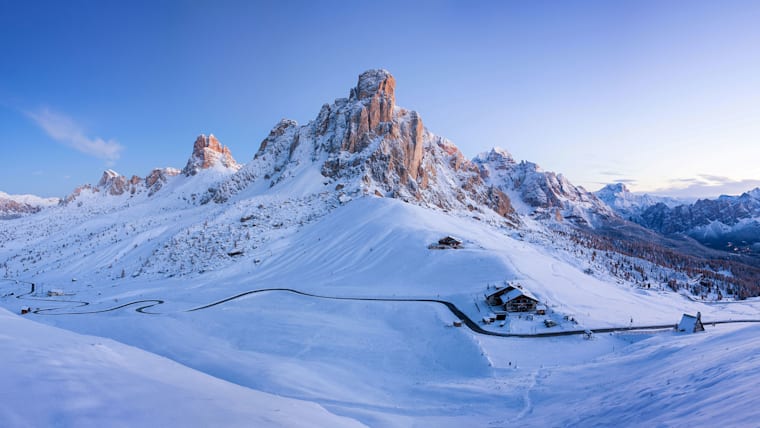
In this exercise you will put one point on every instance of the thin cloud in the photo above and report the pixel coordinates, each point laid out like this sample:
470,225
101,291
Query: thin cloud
706,186
64,130
716,179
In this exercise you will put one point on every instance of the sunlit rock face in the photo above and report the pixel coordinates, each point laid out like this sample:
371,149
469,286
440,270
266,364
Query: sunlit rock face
372,147
207,153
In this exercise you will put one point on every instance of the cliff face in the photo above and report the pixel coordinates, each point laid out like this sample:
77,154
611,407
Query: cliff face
208,153
369,145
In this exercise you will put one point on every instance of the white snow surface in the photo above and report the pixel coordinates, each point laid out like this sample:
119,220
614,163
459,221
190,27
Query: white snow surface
53,377
379,363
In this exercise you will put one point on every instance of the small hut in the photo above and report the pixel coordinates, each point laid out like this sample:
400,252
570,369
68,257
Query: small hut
691,323
450,242
25,310
540,309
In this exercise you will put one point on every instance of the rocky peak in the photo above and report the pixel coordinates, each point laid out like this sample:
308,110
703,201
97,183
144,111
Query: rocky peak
754,193
208,153
156,179
371,146
615,188
497,157
277,132
375,83
113,183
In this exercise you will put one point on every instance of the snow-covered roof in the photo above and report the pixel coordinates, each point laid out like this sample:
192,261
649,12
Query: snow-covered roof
517,292
501,291
689,323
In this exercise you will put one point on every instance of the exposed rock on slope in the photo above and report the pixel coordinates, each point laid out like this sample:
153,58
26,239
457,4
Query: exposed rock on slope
208,153
12,206
545,194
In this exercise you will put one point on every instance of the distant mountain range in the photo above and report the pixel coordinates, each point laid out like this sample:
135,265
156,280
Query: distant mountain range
13,206
728,223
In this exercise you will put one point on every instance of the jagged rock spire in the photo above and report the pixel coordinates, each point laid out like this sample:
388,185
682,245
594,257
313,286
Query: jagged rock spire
207,153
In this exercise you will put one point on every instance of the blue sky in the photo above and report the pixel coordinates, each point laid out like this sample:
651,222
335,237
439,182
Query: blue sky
661,95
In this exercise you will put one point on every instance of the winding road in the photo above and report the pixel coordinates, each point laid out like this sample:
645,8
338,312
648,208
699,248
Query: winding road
472,325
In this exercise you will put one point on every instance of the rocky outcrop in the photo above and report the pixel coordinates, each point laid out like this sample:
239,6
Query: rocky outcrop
86,188
113,183
11,209
208,153
156,179
547,195
372,147
12,206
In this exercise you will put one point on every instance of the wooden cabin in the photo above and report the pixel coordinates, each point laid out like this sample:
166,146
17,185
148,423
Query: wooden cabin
495,298
519,300
691,323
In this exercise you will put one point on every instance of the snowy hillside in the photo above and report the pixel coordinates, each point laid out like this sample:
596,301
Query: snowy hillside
319,272
400,363
60,378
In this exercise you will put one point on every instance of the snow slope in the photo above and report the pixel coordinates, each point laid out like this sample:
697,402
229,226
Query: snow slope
53,377
400,363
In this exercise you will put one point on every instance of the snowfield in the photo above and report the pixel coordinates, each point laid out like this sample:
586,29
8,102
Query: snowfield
54,377
378,363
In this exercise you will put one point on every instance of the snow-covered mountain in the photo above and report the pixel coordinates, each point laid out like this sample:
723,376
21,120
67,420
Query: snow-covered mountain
307,273
630,205
208,156
728,222
366,145
363,146
541,194
12,206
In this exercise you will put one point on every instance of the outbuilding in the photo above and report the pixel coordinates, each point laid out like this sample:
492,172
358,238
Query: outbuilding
450,242
691,323
25,310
